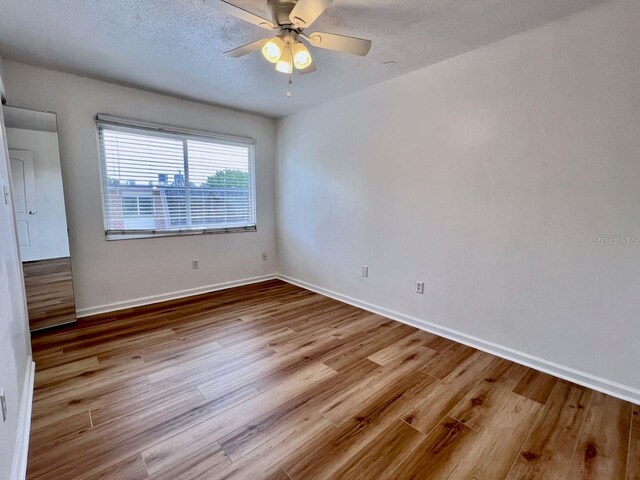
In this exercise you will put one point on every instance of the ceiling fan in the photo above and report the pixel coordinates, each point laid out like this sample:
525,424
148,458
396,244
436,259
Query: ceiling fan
290,19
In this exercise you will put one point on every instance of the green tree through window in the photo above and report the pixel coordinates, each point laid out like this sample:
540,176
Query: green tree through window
228,178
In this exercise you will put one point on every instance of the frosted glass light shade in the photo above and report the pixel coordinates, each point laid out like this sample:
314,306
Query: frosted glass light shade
272,50
301,56
285,62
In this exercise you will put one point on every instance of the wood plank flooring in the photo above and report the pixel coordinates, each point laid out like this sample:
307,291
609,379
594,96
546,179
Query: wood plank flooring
49,288
270,381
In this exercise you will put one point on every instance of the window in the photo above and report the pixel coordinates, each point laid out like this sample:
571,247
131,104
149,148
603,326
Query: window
161,182
137,206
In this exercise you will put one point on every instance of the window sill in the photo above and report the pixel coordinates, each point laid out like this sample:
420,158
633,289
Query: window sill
136,235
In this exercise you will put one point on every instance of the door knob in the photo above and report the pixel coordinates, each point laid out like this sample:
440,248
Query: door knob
32,212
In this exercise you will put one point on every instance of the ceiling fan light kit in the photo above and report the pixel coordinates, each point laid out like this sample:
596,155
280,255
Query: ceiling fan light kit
290,18
286,51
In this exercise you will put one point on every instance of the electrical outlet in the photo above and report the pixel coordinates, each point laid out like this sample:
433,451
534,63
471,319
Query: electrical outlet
3,405
195,264
420,287
365,271
264,256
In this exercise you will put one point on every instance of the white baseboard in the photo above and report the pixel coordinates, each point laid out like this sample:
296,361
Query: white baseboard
19,470
581,378
163,297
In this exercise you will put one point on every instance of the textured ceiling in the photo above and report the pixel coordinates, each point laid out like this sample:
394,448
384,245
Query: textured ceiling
175,46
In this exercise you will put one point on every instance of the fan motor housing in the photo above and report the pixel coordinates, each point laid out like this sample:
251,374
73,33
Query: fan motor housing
280,10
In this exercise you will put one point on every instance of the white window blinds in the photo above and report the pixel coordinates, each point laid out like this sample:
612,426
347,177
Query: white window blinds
161,182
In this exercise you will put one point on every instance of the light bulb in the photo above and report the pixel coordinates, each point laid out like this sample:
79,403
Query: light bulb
285,62
273,49
301,56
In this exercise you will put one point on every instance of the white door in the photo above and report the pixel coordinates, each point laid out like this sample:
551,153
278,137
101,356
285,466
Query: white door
24,201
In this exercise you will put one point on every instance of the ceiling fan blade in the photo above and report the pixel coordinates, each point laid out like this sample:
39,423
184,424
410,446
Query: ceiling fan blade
310,69
240,13
306,11
339,43
245,49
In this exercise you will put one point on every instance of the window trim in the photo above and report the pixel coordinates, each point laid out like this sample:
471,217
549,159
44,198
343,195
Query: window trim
104,119
162,130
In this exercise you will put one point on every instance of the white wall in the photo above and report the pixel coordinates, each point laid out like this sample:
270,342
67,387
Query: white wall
49,202
121,271
14,335
486,176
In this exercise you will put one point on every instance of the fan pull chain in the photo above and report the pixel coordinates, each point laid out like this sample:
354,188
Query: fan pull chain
289,86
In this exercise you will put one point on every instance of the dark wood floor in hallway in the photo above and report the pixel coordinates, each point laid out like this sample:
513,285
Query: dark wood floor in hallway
273,381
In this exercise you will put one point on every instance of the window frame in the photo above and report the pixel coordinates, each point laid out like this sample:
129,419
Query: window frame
165,131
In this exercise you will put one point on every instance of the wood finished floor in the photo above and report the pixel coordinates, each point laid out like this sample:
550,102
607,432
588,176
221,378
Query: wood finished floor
272,381
49,288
